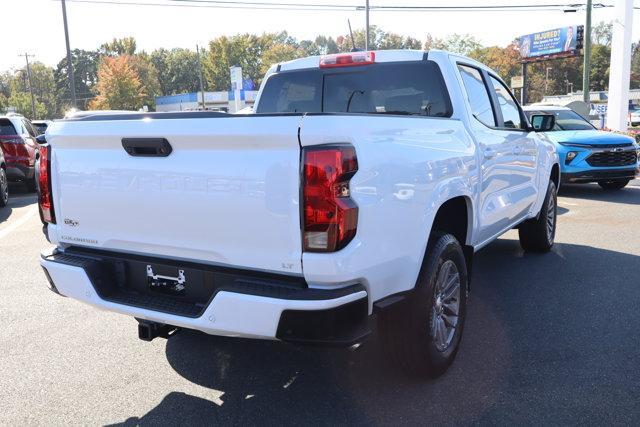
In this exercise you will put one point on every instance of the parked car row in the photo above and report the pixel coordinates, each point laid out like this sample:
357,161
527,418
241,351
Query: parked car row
18,152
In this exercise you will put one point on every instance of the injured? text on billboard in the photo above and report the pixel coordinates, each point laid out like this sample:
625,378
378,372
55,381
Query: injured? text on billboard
559,42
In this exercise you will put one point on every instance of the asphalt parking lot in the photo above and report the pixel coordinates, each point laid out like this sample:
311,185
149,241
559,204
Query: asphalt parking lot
550,339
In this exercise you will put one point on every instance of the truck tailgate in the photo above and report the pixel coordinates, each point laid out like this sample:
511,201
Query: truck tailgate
228,193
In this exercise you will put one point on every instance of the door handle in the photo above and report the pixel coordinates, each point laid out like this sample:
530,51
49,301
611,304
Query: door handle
147,147
489,153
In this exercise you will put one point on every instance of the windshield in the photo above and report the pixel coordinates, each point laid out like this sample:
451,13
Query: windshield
407,88
565,120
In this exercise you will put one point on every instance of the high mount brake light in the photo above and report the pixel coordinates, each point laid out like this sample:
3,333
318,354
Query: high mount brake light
347,59
45,198
330,215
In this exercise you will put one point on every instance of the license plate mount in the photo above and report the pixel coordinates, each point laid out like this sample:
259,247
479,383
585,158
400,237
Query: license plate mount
168,285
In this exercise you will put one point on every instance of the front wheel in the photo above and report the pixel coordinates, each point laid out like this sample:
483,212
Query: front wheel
538,234
421,335
4,188
617,184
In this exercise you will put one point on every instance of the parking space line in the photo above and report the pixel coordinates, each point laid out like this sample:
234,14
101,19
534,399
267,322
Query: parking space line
18,223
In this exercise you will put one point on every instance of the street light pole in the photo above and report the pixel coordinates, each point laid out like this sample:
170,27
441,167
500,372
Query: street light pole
366,37
586,69
33,101
72,83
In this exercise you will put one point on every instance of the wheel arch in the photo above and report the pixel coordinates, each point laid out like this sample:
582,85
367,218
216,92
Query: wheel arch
555,175
455,216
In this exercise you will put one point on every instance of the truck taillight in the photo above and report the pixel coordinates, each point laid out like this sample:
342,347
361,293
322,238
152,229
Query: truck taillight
45,198
347,59
330,215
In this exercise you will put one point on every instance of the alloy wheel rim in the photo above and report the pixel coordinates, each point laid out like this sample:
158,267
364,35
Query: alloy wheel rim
4,186
551,218
446,306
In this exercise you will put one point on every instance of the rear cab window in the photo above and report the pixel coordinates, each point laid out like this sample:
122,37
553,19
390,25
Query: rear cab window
403,88
7,128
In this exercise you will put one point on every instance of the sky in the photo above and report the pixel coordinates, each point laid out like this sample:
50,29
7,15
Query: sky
91,24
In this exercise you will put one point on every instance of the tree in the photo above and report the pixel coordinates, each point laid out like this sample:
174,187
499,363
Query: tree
504,60
148,76
119,86
177,70
462,44
279,53
600,62
320,46
85,71
602,33
378,39
243,50
21,101
116,47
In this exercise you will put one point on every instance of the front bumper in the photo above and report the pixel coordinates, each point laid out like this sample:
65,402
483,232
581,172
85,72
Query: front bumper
239,306
595,175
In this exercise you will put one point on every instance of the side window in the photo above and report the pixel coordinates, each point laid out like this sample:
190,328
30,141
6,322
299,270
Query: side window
508,106
29,128
477,94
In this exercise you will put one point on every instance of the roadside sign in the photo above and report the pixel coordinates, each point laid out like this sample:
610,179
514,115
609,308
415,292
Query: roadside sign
559,42
517,82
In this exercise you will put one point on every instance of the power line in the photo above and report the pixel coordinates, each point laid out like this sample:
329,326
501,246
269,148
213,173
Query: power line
271,5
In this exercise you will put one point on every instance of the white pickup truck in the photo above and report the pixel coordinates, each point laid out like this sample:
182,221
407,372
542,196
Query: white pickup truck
359,189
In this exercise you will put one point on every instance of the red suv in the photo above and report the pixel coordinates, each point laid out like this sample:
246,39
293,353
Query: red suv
18,142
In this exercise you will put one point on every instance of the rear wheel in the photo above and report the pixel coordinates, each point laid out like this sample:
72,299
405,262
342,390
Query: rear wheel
421,335
538,234
4,188
617,184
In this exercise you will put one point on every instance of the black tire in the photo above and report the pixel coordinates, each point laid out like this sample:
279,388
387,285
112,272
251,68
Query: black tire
407,329
31,185
538,234
617,184
4,188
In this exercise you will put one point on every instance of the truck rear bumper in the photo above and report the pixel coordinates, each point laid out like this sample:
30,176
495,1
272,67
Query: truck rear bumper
329,317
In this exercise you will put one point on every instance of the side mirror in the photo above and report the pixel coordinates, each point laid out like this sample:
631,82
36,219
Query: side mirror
543,122
40,139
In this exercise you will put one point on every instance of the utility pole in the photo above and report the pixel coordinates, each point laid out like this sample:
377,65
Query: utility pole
72,83
586,69
33,101
200,76
366,37
523,91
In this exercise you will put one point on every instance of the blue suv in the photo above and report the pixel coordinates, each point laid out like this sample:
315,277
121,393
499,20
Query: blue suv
587,154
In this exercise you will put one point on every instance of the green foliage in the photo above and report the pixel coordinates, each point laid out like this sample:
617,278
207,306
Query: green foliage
243,50
85,72
21,101
117,47
177,70
140,77
600,62
462,44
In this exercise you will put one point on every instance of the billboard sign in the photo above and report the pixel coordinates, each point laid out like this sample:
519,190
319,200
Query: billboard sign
560,42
